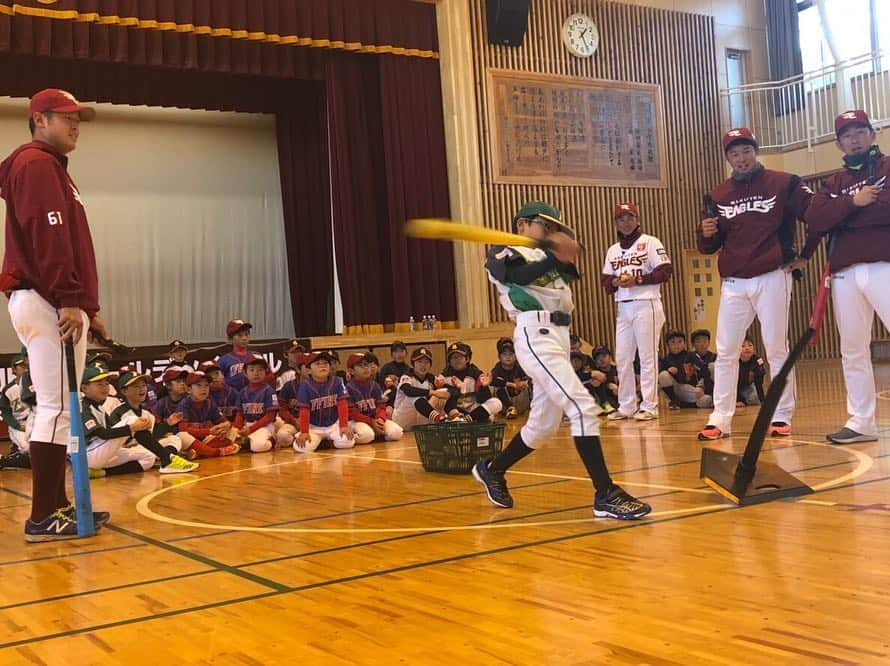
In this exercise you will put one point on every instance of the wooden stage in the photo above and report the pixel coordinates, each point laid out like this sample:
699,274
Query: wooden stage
360,557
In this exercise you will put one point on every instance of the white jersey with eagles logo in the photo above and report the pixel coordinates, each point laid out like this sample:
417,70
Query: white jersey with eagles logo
641,258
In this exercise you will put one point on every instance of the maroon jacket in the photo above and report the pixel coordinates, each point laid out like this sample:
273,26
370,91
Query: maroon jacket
48,242
861,235
756,223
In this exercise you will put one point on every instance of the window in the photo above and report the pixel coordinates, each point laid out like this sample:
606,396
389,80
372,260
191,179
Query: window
857,27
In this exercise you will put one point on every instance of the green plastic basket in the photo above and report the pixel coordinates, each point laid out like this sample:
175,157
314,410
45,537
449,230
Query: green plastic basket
453,448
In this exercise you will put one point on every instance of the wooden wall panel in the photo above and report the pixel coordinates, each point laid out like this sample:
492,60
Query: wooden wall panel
641,44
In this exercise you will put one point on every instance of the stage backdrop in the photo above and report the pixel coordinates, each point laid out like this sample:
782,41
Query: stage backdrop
297,60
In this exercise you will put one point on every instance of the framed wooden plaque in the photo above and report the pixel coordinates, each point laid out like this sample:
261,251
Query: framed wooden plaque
546,129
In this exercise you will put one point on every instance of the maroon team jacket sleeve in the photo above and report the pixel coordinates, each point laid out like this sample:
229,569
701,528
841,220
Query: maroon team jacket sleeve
708,245
827,210
42,209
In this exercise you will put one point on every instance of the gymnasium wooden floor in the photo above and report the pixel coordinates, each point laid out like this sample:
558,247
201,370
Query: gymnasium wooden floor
360,557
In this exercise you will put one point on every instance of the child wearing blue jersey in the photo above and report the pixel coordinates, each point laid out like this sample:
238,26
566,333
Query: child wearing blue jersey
367,406
257,407
288,423
324,410
202,420
232,364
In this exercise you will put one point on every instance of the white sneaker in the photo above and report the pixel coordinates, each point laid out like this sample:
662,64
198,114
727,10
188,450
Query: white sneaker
643,415
617,416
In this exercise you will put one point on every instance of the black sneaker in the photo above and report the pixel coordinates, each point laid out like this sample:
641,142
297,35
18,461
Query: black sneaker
99,517
849,436
56,527
495,484
17,460
618,504
673,404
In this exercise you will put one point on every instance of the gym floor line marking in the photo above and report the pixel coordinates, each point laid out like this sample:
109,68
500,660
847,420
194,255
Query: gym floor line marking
623,525
865,463
417,565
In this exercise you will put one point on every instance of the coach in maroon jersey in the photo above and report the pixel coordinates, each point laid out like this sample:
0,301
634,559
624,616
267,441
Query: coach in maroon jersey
49,272
753,229
854,207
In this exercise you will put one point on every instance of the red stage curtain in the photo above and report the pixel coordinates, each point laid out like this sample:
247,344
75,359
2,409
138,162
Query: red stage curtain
306,198
388,159
240,36
417,185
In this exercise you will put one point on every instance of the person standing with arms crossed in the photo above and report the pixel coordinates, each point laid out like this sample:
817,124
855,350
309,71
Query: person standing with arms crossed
854,207
533,286
634,269
754,232
49,273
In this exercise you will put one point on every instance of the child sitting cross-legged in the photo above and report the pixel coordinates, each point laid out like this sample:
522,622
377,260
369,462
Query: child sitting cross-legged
367,406
324,407
202,420
108,435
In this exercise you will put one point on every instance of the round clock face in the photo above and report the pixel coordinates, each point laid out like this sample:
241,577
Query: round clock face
580,35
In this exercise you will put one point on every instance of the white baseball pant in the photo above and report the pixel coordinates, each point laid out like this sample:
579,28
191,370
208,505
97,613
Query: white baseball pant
407,417
857,293
317,434
284,433
638,328
542,349
105,453
20,439
365,434
767,297
261,439
685,392
36,323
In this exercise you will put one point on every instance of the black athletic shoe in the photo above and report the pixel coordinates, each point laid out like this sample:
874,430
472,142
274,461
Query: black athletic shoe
618,504
17,460
99,517
495,484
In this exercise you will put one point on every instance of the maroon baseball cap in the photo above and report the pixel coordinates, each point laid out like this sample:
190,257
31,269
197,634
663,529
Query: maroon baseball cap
207,366
356,358
59,101
311,357
256,359
737,135
174,372
236,325
848,118
195,377
623,208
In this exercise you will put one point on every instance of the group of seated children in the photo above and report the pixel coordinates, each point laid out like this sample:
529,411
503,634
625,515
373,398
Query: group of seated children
234,403
685,377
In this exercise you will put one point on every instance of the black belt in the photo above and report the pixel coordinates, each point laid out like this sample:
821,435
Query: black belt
561,318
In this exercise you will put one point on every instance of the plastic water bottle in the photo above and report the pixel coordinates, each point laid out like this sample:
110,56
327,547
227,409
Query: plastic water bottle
411,323
432,322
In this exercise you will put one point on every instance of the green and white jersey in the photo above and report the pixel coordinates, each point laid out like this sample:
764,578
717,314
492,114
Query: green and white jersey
547,286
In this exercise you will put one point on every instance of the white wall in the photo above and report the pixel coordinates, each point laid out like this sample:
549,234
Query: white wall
185,212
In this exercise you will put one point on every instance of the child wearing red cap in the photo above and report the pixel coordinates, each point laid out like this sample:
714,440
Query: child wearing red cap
288,423
202,420
367,406
257,406
232,364
324,407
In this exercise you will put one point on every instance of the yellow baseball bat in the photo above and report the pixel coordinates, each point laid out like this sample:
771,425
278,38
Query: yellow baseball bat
441,229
